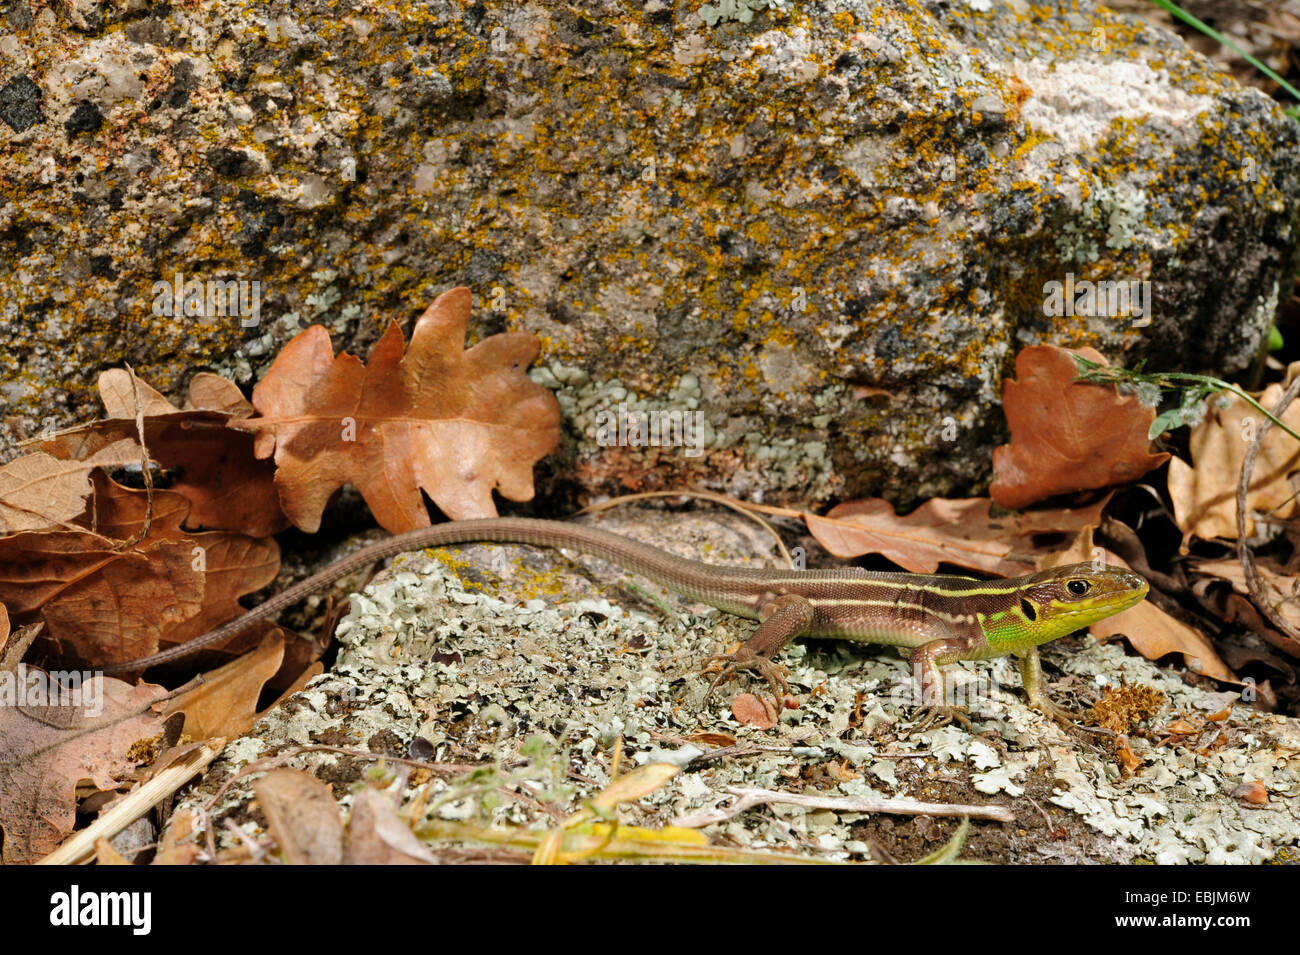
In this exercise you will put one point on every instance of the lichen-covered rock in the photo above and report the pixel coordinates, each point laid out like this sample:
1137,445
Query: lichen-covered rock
825,228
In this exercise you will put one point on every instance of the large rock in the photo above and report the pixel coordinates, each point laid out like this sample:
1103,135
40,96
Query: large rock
768,212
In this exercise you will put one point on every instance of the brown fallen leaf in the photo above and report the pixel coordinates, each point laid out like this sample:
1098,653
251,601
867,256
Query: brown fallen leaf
377,835
232,565
39,491
225,703
756,711
1252,792
177,845
1067,435
302,817
1204,493
104,602
99,604
211,465
1153,633
455,422
959,532
105,854
1129,761
55,741
1284,591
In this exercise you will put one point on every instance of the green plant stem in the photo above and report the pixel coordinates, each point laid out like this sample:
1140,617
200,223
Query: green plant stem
1098,373
1215,35
1222,385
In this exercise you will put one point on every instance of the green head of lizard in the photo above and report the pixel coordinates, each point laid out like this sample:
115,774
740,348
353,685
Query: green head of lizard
1054,602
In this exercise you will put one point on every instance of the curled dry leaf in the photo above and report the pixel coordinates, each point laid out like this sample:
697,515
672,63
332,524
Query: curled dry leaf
456,423
1204,493
225,703
1252,792
1154,633
750,709
1284,591
1067,435
960,532
302,817
54,742
176,847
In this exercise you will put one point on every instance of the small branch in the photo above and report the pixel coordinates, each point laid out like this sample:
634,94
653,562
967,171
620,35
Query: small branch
748,798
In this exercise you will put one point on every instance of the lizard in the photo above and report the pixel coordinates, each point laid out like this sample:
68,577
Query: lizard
939,618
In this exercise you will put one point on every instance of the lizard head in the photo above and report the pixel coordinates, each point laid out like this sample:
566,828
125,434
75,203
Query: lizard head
1060,600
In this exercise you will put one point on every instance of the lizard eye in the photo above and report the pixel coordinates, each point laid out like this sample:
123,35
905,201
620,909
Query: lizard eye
1078,587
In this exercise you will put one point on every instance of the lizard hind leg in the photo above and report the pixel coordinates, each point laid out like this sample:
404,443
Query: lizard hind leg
782,620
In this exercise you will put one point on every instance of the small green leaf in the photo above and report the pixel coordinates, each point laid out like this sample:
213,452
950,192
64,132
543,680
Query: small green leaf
1274,338
1165,421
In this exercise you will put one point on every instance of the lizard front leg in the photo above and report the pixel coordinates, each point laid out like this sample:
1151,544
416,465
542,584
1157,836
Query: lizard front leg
782,620
1031,675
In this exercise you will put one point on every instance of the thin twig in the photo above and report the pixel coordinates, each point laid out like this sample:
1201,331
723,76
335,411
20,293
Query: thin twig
748,798
145,473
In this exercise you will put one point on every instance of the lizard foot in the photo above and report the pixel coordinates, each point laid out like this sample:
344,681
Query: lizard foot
1060,714
935,717
728,665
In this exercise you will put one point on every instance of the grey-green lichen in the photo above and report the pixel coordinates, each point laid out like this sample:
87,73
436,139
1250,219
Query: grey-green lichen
742,11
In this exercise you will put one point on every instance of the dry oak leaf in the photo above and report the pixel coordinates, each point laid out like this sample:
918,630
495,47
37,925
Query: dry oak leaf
302,817
953,531
177,847
225,703
47,750
211,464
100,604
105,603
377,835
1204,493
41,491
452,421
1067,435
1284,591
1154,633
